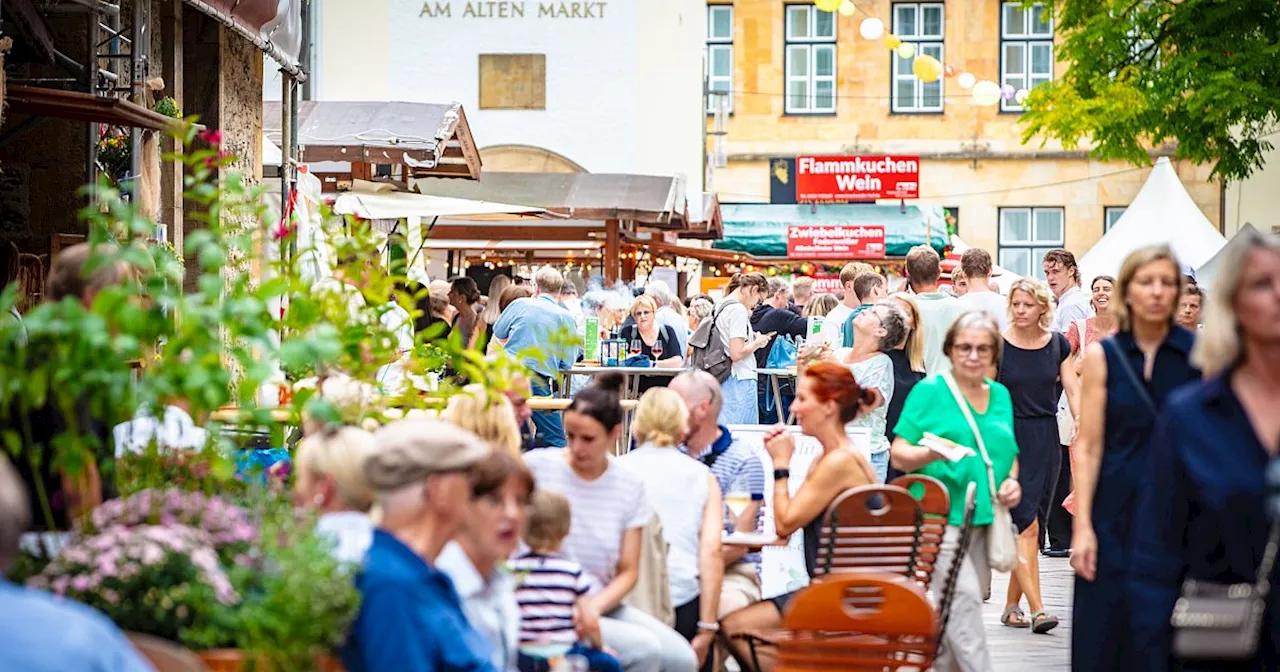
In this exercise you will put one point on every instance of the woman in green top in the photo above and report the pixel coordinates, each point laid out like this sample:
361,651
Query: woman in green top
973,346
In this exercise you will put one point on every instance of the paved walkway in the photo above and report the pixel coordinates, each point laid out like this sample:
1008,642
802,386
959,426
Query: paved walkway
1020,650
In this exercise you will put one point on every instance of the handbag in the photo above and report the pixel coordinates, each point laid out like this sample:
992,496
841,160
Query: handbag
1002,538
1221,622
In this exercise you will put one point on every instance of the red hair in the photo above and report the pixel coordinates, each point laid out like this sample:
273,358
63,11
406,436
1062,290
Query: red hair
835,382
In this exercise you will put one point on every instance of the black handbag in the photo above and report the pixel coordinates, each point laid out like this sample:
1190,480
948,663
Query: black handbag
1222,622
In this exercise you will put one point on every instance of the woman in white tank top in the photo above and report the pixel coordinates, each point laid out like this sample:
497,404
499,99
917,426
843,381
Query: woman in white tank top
686,497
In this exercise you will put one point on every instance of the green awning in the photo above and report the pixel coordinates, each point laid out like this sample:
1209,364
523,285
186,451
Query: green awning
760,229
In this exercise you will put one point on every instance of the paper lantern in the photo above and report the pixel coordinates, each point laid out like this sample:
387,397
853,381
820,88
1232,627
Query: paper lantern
892,41
1007,92
871,29
847,8
1020,96
827,5
906,50
966,80
986,93
926,68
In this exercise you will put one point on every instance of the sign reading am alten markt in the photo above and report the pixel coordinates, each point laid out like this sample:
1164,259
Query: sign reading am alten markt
512,9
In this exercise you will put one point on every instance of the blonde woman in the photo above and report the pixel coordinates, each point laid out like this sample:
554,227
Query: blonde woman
492,309
654,340
488,416
330,482
1035,366
819,305
686,497
1127,379
908,367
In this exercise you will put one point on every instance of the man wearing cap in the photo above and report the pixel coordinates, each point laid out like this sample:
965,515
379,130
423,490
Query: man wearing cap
411,617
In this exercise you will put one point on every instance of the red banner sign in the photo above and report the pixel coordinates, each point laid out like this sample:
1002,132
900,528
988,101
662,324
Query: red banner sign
862,241
827,283
856,178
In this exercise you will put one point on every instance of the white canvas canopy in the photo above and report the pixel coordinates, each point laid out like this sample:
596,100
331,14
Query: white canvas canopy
1206,274
1162,212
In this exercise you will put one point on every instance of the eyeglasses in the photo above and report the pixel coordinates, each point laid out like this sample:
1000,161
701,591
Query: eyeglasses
641,313
968,349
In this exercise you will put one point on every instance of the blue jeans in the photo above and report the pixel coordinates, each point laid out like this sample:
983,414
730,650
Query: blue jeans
597,661
880,462
550,427
740,405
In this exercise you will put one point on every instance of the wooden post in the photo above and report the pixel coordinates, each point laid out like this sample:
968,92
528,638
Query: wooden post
612,250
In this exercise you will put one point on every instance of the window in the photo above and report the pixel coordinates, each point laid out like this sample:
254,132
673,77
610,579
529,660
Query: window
1110,216
719,54
1026,234
922,25
513,81
810,60
1026,48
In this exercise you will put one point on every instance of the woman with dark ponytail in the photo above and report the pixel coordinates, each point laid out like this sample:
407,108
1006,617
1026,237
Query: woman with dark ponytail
827,398
609,511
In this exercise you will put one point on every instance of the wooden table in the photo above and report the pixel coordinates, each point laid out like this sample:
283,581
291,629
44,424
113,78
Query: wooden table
774,375
630,376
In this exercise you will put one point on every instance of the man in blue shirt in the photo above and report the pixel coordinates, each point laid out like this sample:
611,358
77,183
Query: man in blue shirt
411,617
544,335
39,632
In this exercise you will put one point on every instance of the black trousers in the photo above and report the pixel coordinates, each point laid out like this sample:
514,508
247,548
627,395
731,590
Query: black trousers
1058,521
687,624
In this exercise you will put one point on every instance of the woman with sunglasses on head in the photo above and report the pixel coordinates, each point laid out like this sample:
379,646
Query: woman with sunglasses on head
1126,380
876,331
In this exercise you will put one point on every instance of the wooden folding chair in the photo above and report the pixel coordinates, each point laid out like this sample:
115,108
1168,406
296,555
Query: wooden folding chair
871,528
946,596
868,621
935,503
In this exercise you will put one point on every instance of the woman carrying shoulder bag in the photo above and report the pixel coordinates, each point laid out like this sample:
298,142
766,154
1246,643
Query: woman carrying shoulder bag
964,408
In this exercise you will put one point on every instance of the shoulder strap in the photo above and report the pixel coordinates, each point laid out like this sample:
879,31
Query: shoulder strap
1141,389
973,425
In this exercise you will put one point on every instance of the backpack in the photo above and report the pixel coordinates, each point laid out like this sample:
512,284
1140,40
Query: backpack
709,352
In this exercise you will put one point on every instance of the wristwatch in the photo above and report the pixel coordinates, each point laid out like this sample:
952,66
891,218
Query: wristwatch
708,627
780,474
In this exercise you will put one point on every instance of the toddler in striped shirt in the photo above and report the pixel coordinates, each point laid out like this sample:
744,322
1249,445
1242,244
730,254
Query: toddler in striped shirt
550,587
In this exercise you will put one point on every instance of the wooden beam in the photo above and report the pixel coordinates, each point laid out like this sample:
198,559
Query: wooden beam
511,232
612,250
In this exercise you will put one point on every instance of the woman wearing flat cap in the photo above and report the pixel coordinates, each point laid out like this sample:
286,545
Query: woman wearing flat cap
411,618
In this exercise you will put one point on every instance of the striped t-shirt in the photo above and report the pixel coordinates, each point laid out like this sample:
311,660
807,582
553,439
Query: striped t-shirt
547,588
603,509
736,464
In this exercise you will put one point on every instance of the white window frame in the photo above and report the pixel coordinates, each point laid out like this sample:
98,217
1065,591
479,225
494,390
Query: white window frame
719,43
1110,215
1035,247
932,44
1029,39
812,46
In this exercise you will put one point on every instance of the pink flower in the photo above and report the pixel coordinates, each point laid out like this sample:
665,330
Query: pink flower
80,583
111,596
152,555
281,231
211,136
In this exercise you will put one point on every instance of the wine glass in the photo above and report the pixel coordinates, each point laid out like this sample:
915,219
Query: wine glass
636,347
657,350
737,498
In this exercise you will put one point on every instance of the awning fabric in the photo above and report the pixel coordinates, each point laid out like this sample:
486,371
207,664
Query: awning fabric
397,205
760,229
274,26
512,245
657,201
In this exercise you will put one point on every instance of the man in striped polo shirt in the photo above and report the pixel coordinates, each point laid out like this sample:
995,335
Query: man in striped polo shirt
737,468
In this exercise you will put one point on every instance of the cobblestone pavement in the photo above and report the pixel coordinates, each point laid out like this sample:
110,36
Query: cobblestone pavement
1019,650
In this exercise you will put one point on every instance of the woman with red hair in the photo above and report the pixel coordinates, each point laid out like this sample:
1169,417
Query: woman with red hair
827,398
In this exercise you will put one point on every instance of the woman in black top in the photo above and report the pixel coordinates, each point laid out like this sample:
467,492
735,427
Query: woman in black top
908,368
1035,366
657,342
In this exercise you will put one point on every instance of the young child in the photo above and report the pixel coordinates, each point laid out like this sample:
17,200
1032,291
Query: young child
551,591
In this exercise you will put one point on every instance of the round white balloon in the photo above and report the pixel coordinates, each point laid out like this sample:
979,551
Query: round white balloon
871,29
1020,96
966,80
847,8
906,50
986,93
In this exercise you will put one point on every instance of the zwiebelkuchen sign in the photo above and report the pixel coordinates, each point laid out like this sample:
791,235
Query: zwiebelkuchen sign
860,241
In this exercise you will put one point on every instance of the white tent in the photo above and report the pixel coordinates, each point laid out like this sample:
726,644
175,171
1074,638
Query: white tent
1003,277
1162,212
1206,274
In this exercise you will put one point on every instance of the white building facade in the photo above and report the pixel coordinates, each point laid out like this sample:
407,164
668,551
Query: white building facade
603,86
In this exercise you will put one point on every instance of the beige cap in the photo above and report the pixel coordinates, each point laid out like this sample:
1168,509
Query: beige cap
408,451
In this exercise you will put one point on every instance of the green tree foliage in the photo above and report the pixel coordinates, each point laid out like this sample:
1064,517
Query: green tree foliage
1202,73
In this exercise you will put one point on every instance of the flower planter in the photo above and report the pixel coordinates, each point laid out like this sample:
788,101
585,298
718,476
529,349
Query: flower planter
235,660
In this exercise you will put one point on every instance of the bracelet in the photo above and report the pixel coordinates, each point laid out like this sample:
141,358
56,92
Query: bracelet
708,627
781,474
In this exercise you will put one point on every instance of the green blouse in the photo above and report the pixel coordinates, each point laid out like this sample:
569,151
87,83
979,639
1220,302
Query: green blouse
931,408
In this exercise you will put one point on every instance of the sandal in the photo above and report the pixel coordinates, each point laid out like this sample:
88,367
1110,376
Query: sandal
1014,617
1042,622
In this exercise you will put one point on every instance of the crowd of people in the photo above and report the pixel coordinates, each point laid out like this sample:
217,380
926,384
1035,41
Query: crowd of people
481,547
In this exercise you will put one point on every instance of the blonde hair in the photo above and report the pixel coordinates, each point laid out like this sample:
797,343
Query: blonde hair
852,270
661,418
1217,347
1134,263
819,305
488,416
915,336
493,309
549,520
339,454
1039,292
644,301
